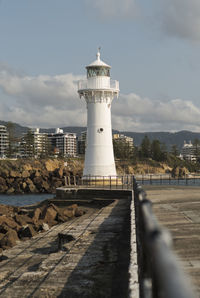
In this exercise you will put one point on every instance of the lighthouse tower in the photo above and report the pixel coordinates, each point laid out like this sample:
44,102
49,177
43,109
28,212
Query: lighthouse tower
98,91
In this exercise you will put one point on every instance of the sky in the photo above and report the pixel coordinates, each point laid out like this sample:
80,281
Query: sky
153,47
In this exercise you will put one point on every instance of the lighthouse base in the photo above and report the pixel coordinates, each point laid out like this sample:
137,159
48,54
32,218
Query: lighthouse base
102,180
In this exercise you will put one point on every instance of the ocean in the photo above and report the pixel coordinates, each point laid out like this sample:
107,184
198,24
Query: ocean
23,199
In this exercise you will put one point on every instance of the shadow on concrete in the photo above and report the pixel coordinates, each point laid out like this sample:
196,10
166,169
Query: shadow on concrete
52,248
103,269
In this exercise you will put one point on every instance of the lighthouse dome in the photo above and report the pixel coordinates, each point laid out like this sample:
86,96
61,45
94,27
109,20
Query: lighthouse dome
98,68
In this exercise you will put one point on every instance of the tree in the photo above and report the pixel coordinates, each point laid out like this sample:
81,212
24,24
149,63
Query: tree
145,147
174,150
11,139
122,149
28,144
156,152
196,144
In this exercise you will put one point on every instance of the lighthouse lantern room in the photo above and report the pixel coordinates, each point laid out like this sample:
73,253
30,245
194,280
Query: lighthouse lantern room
99,90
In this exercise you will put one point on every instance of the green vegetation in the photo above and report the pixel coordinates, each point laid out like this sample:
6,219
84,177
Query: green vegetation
153,153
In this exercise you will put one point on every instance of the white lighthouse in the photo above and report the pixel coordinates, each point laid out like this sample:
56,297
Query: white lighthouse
99,91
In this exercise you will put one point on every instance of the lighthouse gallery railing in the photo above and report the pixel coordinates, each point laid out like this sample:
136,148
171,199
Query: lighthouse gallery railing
85,84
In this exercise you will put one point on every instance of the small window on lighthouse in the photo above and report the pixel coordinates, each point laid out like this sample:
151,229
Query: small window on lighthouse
100,130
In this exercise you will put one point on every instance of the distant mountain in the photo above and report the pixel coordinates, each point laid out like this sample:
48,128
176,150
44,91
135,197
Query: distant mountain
18,129
169,138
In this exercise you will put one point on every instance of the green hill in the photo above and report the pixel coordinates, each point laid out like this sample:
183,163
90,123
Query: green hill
169,138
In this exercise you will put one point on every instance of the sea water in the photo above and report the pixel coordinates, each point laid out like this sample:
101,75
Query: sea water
23,199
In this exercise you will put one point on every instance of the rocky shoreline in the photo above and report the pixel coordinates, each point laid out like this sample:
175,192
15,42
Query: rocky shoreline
35,176
22,223
44,176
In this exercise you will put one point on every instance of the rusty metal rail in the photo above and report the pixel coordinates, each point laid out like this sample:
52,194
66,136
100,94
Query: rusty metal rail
160,274
108,182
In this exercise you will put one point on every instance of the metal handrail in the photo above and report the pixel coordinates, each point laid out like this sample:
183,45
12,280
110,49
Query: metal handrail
111,182
84,84
160,274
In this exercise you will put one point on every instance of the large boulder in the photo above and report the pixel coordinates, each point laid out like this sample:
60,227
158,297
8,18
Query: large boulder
17,185
9,239
58,172
3,185
35,173
27,167
2,181
31,188
36,215
25,174
23,219
10,181
27,231
9,222
4,173
70,211
52,165
41,184
49,215
56,182
15,174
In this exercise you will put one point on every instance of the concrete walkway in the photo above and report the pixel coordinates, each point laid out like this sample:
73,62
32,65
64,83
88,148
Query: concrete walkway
91,265
178,209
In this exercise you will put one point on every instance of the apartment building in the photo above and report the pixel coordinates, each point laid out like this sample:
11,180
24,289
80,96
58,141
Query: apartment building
82,141
62,143
34,144
188,151
3,141
122,138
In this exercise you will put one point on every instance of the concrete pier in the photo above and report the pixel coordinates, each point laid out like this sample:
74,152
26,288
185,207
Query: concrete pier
178,209
95,263
99,257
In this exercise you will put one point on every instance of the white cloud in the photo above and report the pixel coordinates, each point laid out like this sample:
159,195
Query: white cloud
179,18
135,113
113,8
41,100
52,101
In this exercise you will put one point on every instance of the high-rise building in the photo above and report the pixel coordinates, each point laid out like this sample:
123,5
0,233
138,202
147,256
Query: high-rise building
82,142
34,144
64,144
3,141
188,151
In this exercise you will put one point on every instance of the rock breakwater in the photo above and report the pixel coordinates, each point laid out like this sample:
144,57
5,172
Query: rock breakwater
35,176
21,223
